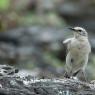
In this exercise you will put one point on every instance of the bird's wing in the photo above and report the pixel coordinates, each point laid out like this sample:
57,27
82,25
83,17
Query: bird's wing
67,41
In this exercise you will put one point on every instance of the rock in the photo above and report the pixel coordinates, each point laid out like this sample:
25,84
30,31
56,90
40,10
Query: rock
6,70
28,85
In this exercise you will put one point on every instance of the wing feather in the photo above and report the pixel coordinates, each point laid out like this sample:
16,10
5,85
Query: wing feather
66,42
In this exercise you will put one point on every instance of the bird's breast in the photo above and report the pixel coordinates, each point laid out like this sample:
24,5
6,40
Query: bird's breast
78,48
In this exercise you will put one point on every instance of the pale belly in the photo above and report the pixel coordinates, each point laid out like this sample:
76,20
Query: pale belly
78,48
78,52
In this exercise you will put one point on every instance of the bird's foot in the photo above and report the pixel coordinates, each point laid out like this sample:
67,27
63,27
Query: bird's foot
74,78
66,75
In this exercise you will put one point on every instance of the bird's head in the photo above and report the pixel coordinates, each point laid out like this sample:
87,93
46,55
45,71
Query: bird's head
79,32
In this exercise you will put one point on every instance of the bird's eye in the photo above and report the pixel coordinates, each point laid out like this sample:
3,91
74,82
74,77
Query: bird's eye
80,30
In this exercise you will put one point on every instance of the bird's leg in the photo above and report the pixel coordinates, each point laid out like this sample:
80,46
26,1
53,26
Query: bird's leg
80,75
84,78
67,74
75,73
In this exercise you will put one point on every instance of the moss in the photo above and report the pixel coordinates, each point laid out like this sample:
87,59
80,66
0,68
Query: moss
4,4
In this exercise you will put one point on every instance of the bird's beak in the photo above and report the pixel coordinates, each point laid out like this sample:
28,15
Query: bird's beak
71,28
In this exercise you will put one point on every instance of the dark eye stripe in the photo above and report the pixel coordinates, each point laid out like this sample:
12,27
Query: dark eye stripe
79,30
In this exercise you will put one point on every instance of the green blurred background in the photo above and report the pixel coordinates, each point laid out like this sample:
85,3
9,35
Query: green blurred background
32,31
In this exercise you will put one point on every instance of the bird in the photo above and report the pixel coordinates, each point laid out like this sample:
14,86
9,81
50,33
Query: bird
78,50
